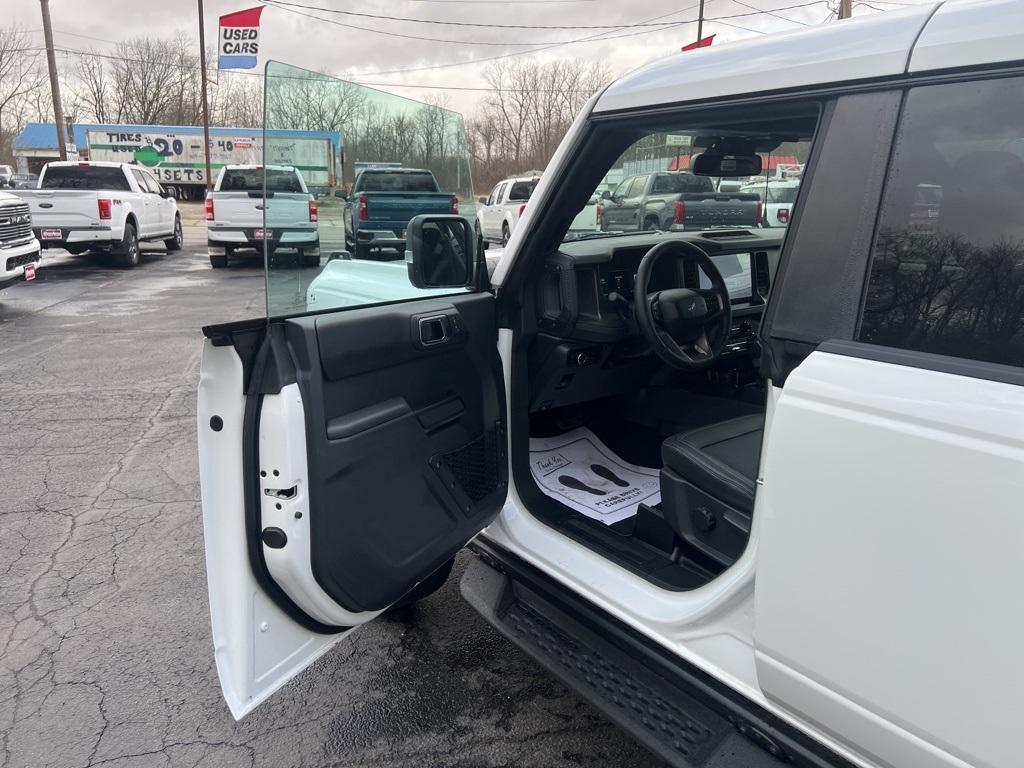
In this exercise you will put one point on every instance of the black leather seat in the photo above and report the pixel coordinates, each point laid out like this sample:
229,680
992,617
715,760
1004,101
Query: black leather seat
720,459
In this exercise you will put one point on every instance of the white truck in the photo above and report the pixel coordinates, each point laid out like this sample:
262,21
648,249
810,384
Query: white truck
769,523
240,218
19,250
103,208
498,213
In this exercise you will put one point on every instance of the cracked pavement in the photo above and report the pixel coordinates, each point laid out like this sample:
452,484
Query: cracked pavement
105,650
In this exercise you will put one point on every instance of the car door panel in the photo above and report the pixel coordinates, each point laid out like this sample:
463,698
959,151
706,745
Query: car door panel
366,450
411,446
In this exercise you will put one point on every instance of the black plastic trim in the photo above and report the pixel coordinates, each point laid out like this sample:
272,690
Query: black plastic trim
956,366
702,686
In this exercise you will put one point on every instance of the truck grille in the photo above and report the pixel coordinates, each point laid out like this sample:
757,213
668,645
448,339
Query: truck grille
15,224
20,261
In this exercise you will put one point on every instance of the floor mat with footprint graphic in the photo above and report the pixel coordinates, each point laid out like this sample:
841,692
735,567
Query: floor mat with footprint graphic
580,471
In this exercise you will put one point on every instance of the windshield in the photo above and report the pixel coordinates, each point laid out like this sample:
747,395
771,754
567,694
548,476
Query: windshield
90,177
654,185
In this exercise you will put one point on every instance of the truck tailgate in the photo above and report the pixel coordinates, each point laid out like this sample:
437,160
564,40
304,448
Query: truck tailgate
721,209
244,210
66,208
393,210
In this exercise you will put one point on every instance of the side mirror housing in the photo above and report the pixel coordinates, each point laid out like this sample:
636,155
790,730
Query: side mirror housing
441,252
606,195
482,200
341,194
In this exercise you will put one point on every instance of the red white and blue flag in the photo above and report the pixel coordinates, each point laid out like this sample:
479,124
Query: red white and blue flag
239,39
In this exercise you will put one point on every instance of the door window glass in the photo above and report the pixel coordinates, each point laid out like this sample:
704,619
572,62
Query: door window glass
500,196
637,187
346,169
151,184
140,179
947,273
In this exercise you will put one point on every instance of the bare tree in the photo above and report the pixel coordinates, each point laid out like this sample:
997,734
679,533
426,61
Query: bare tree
20,76
520,123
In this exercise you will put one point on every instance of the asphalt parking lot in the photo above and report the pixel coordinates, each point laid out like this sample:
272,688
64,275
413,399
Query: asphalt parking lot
104,632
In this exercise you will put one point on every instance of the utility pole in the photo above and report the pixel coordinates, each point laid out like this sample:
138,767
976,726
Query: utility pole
206,108
845,9
700,22
51,63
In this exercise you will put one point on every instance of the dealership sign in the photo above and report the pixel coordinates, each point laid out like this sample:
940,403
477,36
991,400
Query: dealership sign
239,39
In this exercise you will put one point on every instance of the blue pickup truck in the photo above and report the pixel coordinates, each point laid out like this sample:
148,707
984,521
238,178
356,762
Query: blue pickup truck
382,202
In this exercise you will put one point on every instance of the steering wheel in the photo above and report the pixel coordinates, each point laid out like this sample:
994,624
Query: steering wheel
687,328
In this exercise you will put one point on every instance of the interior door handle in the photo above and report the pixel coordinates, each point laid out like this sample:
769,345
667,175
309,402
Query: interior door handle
434,330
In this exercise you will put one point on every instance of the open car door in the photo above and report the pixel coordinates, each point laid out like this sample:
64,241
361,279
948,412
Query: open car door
347,452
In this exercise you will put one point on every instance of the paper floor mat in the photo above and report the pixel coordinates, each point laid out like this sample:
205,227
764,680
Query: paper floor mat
580,471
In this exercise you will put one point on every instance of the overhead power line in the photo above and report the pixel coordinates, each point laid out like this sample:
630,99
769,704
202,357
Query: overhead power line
485,25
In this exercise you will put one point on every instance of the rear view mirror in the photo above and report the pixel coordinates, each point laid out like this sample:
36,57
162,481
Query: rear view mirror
727,166
441,252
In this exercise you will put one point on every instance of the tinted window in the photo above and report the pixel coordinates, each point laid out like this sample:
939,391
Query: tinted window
251,180
382,181
662,184
947,274
521,191
93,177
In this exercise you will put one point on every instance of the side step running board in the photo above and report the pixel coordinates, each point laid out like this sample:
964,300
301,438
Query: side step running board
661,712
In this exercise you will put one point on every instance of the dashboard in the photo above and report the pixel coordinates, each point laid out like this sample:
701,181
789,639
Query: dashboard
589,344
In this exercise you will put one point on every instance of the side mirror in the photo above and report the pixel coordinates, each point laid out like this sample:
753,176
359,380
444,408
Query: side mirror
606,195
341,194
441,252
482,200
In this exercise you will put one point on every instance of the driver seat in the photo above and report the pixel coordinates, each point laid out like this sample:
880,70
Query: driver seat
708,482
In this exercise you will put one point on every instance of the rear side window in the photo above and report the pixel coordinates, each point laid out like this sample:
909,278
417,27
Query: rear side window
947,271
397,182
251,180
521,191
90,177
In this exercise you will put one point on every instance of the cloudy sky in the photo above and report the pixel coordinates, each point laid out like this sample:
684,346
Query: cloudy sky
383,50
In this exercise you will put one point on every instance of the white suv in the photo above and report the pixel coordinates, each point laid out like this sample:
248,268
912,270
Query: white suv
754,493
498,214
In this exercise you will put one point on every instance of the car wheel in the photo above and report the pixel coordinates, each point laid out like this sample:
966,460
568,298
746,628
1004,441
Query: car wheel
309,260
218,260
505,235
75,250
425,588
178,240
652,224
128,251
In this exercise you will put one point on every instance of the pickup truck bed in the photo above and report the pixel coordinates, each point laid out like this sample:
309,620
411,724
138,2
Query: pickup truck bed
382,204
